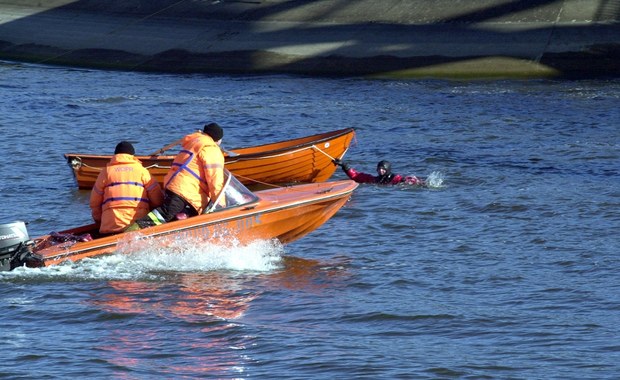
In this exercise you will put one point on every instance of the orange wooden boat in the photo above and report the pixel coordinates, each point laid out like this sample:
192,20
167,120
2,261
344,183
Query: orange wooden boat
302,160
284,213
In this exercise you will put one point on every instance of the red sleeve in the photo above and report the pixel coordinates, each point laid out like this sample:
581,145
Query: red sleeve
360,177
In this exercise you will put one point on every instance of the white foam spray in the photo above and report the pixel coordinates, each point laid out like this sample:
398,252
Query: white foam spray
435,180
140,257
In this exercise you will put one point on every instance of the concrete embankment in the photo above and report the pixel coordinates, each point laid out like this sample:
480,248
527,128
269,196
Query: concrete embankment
393,38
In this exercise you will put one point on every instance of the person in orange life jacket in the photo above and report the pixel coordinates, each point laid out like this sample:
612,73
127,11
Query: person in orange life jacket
384,177
124,191
195,178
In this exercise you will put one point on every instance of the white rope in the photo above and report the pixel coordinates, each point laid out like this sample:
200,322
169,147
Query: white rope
317,148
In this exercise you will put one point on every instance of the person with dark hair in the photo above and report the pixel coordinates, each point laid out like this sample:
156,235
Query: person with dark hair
124,191
194,180
384,175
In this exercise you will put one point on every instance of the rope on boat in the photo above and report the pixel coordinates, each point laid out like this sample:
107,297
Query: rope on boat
319,149
157,166
257,181
271,156
330,157
77,163
290,187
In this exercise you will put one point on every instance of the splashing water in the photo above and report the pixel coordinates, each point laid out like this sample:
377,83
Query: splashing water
188,254
434,180
139,257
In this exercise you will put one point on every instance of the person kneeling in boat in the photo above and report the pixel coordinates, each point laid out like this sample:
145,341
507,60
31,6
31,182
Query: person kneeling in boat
124,191
384,177
194,180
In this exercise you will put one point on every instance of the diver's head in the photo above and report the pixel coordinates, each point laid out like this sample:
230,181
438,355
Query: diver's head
384,168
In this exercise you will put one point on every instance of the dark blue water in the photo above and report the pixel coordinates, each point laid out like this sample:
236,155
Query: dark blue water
510,269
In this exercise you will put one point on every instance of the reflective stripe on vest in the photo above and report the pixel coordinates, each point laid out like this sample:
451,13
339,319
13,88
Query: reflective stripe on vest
156,217
183,167
126,198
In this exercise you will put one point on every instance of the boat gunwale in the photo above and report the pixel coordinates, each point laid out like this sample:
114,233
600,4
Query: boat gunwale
275,152
297,144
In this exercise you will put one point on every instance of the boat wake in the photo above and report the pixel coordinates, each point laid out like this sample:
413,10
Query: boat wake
145,258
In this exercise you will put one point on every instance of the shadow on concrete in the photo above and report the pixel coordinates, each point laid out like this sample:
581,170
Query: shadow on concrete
403,38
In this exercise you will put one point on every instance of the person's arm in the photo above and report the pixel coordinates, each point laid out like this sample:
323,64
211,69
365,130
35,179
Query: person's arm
358,177
155,194
213,169
96,197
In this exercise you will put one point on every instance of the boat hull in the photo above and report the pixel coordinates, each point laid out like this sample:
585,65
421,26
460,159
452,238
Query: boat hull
303,160
285,214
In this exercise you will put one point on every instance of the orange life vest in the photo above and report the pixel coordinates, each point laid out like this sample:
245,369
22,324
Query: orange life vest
197,173
124,191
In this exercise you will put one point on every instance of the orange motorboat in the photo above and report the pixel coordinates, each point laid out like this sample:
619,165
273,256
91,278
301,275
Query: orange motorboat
284,213
302,160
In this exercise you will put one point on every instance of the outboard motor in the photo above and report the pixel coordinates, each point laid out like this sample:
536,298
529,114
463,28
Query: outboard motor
16,247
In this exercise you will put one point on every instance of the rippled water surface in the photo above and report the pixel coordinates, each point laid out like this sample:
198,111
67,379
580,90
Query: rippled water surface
509,269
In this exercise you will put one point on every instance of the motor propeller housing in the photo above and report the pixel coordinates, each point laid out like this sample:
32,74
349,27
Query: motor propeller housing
14,245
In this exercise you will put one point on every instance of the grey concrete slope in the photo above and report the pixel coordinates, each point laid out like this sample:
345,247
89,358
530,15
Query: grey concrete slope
391,38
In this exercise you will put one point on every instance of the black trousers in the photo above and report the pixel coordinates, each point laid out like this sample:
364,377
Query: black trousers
173,205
